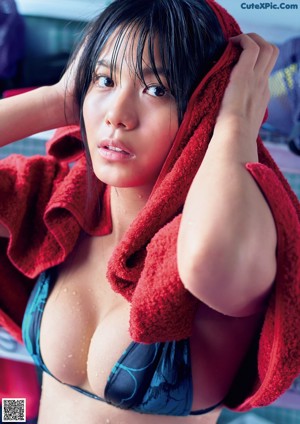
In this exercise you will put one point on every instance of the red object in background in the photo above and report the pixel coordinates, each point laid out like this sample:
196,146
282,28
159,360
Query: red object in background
20,380
14,91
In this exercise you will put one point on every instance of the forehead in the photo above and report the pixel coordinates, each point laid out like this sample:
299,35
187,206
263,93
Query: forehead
133,47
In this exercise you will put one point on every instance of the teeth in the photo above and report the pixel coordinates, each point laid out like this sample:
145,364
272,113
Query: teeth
115,149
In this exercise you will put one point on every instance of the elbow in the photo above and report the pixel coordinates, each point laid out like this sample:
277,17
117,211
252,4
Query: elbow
201,271
205,262
226,281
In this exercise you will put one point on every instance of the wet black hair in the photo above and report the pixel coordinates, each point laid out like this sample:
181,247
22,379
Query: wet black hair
190,38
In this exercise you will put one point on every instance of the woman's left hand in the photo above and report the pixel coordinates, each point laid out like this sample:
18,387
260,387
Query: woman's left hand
247,94
227,238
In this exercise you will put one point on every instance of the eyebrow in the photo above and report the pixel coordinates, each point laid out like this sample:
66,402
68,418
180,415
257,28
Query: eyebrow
147,71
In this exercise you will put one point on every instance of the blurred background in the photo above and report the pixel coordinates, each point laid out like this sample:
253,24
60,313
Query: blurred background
36,40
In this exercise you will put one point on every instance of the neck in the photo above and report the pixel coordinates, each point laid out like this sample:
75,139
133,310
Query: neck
126,203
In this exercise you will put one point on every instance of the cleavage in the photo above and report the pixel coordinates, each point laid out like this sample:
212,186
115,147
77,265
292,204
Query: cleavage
84,327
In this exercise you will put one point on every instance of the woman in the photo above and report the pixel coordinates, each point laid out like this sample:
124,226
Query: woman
129,86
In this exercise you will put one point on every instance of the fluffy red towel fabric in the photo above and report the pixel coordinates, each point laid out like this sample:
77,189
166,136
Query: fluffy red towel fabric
143,267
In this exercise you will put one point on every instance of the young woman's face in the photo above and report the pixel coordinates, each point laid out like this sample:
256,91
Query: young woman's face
130,127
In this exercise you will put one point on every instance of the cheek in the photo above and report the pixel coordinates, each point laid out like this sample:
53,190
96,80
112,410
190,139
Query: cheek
168,131
90,124
85,117
87,112
171,124
90,110
165,139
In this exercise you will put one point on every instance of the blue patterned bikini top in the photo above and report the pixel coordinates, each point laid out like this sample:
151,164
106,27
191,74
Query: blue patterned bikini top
148,378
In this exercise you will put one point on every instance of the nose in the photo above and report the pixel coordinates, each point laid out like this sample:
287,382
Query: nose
122,111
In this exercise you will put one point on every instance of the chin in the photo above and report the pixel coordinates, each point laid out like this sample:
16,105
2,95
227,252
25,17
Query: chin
120,181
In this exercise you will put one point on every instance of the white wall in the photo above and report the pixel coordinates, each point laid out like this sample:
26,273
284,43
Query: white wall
81,10
276,25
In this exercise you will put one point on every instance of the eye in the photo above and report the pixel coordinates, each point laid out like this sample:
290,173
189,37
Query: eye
103,81
156,90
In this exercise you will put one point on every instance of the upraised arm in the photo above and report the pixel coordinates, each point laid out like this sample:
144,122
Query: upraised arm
39,110
227,238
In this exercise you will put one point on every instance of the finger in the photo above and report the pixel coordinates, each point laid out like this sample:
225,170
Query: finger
257,54
268,54
250,51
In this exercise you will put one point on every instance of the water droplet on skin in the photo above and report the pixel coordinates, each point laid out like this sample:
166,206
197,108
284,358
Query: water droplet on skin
74,292
107,421
65,290
70,356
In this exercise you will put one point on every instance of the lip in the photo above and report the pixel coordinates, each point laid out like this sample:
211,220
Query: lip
114,149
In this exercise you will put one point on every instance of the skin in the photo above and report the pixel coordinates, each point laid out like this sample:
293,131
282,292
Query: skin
238,213
118,111
79,317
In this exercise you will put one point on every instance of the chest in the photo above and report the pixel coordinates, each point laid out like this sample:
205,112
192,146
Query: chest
84,327
84,330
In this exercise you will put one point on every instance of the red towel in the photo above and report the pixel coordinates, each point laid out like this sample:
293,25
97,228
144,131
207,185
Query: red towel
143,267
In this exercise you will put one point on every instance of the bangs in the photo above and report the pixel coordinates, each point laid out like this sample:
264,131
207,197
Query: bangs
137,41
181,40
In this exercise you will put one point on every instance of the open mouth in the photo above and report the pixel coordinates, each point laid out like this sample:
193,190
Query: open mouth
116,149
113,152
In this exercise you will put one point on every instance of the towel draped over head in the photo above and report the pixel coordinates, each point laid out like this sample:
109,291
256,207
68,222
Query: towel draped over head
143,267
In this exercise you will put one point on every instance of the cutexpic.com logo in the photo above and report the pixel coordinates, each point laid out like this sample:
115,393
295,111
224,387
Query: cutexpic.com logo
269,6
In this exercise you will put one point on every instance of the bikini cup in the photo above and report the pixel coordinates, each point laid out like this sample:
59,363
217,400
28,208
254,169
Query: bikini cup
148,378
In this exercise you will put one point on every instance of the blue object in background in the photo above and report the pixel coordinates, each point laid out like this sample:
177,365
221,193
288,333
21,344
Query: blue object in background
284,105
12,31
